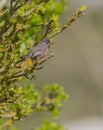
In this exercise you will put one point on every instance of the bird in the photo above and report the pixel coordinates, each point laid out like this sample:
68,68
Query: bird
39,51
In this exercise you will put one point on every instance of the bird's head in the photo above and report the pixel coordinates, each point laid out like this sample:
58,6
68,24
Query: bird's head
47,41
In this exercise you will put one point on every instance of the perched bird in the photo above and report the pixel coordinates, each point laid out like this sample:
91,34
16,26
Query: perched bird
39,51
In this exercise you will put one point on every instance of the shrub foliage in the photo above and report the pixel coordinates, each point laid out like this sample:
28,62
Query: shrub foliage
22,24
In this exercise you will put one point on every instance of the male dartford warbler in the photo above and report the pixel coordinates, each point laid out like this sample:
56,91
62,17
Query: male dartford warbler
39,51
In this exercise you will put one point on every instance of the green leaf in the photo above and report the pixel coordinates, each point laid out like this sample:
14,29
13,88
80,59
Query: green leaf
55,112
50,125
23,47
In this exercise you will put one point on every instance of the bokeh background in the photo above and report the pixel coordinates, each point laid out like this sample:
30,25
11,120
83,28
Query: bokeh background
78,66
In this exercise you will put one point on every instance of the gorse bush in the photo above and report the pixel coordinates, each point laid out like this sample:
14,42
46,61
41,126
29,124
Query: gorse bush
23,23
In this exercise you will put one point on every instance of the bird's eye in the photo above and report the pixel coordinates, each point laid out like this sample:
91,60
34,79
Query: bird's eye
48,40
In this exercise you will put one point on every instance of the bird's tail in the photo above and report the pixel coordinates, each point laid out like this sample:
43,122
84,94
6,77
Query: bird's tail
22,58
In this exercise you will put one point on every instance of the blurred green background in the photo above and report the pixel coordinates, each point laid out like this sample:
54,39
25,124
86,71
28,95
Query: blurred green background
77,65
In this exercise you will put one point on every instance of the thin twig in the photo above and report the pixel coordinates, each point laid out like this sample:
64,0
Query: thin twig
29,12
69,22
11,6
48,28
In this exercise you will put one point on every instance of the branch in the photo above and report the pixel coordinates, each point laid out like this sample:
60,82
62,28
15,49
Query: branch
70,20
48,28
6,124
3,4
34,9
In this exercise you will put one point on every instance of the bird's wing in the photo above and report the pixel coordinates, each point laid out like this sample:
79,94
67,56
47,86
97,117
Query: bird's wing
37,50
